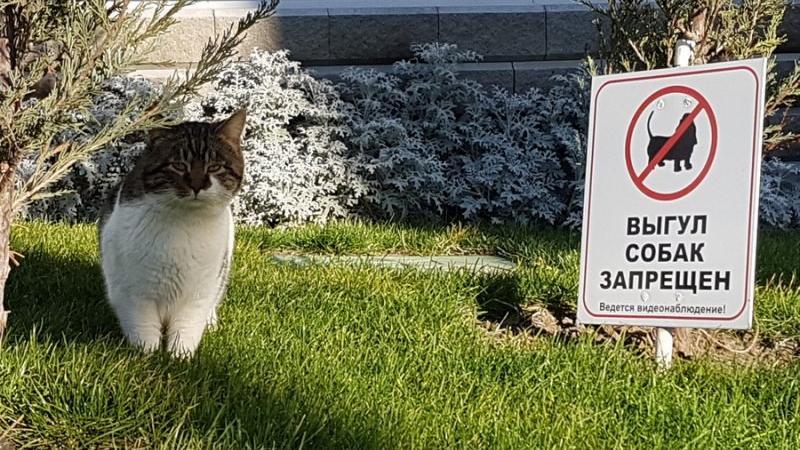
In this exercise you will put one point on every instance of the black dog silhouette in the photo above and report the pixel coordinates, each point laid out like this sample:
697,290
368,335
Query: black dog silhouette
681,151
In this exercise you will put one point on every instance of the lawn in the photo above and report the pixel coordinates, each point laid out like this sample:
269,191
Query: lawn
335,356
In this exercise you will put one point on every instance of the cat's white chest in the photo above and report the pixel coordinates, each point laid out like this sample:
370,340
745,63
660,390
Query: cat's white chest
165,255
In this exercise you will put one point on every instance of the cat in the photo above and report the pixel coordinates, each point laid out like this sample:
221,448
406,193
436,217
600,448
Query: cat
680,152
166,239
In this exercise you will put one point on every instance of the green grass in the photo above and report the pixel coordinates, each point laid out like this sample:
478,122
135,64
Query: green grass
360,357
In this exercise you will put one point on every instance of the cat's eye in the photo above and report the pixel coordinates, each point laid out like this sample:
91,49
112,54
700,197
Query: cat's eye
213,168
178,166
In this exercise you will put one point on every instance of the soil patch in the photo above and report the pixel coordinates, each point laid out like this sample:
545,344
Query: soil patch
536,321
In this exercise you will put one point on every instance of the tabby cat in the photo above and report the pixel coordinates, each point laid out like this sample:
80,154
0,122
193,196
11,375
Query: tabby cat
167,238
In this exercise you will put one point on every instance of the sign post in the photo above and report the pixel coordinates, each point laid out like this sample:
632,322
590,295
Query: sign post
671,202
684,52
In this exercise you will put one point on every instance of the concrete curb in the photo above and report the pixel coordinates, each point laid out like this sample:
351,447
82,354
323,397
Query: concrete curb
477,263
514,76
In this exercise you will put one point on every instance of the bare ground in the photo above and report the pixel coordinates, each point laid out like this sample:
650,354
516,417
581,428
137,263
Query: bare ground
533,322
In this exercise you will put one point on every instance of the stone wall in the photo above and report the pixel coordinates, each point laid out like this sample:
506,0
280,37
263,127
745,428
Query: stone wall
370,35
523,44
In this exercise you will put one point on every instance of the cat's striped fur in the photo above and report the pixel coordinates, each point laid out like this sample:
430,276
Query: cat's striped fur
167,240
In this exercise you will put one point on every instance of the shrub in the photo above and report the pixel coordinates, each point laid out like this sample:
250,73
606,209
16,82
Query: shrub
431,144
405,125
418,142
297,167
780,193
641,35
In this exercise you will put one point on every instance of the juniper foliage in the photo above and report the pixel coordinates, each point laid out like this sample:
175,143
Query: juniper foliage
641,35
54,60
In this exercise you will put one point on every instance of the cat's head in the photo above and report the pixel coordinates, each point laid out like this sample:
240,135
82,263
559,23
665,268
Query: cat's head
193,163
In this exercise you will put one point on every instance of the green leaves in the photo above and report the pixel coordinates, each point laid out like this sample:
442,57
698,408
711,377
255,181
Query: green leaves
82,44
640,35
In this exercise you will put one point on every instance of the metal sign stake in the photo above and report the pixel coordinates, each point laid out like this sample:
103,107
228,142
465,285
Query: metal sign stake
684,51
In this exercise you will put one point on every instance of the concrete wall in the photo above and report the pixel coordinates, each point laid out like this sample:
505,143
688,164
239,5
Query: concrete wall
519,30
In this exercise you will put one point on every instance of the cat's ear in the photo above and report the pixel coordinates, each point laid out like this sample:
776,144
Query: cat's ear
231,128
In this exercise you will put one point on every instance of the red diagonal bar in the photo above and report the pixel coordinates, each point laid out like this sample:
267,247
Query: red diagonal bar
670,142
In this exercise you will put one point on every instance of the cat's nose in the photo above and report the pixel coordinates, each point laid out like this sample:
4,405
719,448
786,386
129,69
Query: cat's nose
198,184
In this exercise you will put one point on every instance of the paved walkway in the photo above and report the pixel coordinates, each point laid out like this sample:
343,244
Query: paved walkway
469,262
400,3
395,3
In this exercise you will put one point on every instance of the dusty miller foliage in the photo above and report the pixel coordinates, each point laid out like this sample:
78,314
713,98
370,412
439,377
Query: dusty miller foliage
418,142
432,145
780,193
298,168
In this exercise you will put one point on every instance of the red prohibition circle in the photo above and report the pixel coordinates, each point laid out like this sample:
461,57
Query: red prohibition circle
703,105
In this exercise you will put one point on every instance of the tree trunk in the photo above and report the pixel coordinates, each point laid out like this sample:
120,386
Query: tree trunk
7,60
6,216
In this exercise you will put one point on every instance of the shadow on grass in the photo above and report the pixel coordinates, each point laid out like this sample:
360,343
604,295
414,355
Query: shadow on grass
61,296
778,254
504,308
365,236
502,303
238,409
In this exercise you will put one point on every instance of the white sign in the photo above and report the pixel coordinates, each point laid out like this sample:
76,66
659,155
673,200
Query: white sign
671,202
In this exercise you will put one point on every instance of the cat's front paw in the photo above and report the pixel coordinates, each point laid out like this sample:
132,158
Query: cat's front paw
181,354
145,338
183,341
183,350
